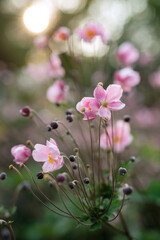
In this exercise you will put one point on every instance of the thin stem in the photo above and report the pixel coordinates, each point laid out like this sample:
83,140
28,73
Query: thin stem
119,209
126,228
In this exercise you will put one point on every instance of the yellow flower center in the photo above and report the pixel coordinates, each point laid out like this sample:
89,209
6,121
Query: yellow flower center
90,34
117,139
104,104
50,159
90,108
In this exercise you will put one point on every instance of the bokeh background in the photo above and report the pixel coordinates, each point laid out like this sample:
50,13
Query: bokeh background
126,20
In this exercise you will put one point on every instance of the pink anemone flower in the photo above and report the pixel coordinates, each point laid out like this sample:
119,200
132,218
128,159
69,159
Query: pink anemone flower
89,107
62,34
49,154
57,92
127,54
92,30
55,66
121,137
108,100
127,78
41,41
154,79
20,153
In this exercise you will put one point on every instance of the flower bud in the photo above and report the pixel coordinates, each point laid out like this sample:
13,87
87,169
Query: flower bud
60,178
100,84
74,166
50,183
68,112
92,125
72,158
69,118
54,125
3,176
57,104
127,190
25,111
122,171
83,109
25,185
127,118
10,167
70,185
48,128
67,132
86,180
133,158
40,175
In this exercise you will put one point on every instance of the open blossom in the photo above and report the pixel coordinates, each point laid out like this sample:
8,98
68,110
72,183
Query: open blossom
38,72
89,107
108,100
154,79
91,30
20,153
41,41
49,154
62,34
127,54
121,136
57,92
127,78
103,103
55,66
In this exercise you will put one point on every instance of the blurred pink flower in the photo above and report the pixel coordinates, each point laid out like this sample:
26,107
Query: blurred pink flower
145,59
55,66
58,91
127,78
62,34
38,72
20,153
109,100
41,41
91,30
154,79
89,107
127,53
121,136
49,154
147,117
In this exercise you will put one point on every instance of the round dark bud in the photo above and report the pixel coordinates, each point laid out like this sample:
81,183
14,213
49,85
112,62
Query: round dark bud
68,132
54,125
74,166
5,234
57,104
133,158
127,118
68,112
3,176
69,118
60,178
72,158
127,190
48,128
92,125
86,180
40,175
50,183
105,124
122,171
70,185
25,186
25,111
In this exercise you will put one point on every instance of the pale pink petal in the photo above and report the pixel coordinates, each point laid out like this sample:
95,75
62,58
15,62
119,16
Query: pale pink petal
114,92
40,154
104,113
48,167
99,93
114,106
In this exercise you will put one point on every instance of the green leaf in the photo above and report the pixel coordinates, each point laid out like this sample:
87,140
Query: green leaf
95,226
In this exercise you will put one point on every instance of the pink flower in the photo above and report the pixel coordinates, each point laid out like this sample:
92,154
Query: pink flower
108,100
49,154
89,107
41,41
20,153
127,53
121,136
127,78
154,79
55,66
92,30
57,92
62,34
38,72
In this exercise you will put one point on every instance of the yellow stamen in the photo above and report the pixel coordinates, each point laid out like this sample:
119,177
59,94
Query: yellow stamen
90,108
104,104
91,34
50,159
117,139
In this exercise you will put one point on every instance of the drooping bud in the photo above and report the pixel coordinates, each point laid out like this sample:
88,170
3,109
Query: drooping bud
127,118
10,167
70,185
48,128
133,158
68,112
127,190
72,158
60,178
54,125
40,175
92,125
83,109
86,180
100,84
69,118
25,111
122,171
3,176
74,166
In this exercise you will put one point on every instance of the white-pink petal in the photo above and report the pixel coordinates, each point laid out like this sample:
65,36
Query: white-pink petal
114,92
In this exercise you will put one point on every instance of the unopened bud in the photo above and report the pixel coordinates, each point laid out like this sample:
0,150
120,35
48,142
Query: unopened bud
127,190
3,176
21,165
40,175
82,109
100,84
10,167
133,158
74,166
60,178
70,185
127,118
25,111
86,180
122,171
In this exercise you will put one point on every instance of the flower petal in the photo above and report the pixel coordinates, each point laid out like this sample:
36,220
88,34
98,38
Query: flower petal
99,93
104,113
117,105
114,93
40,154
